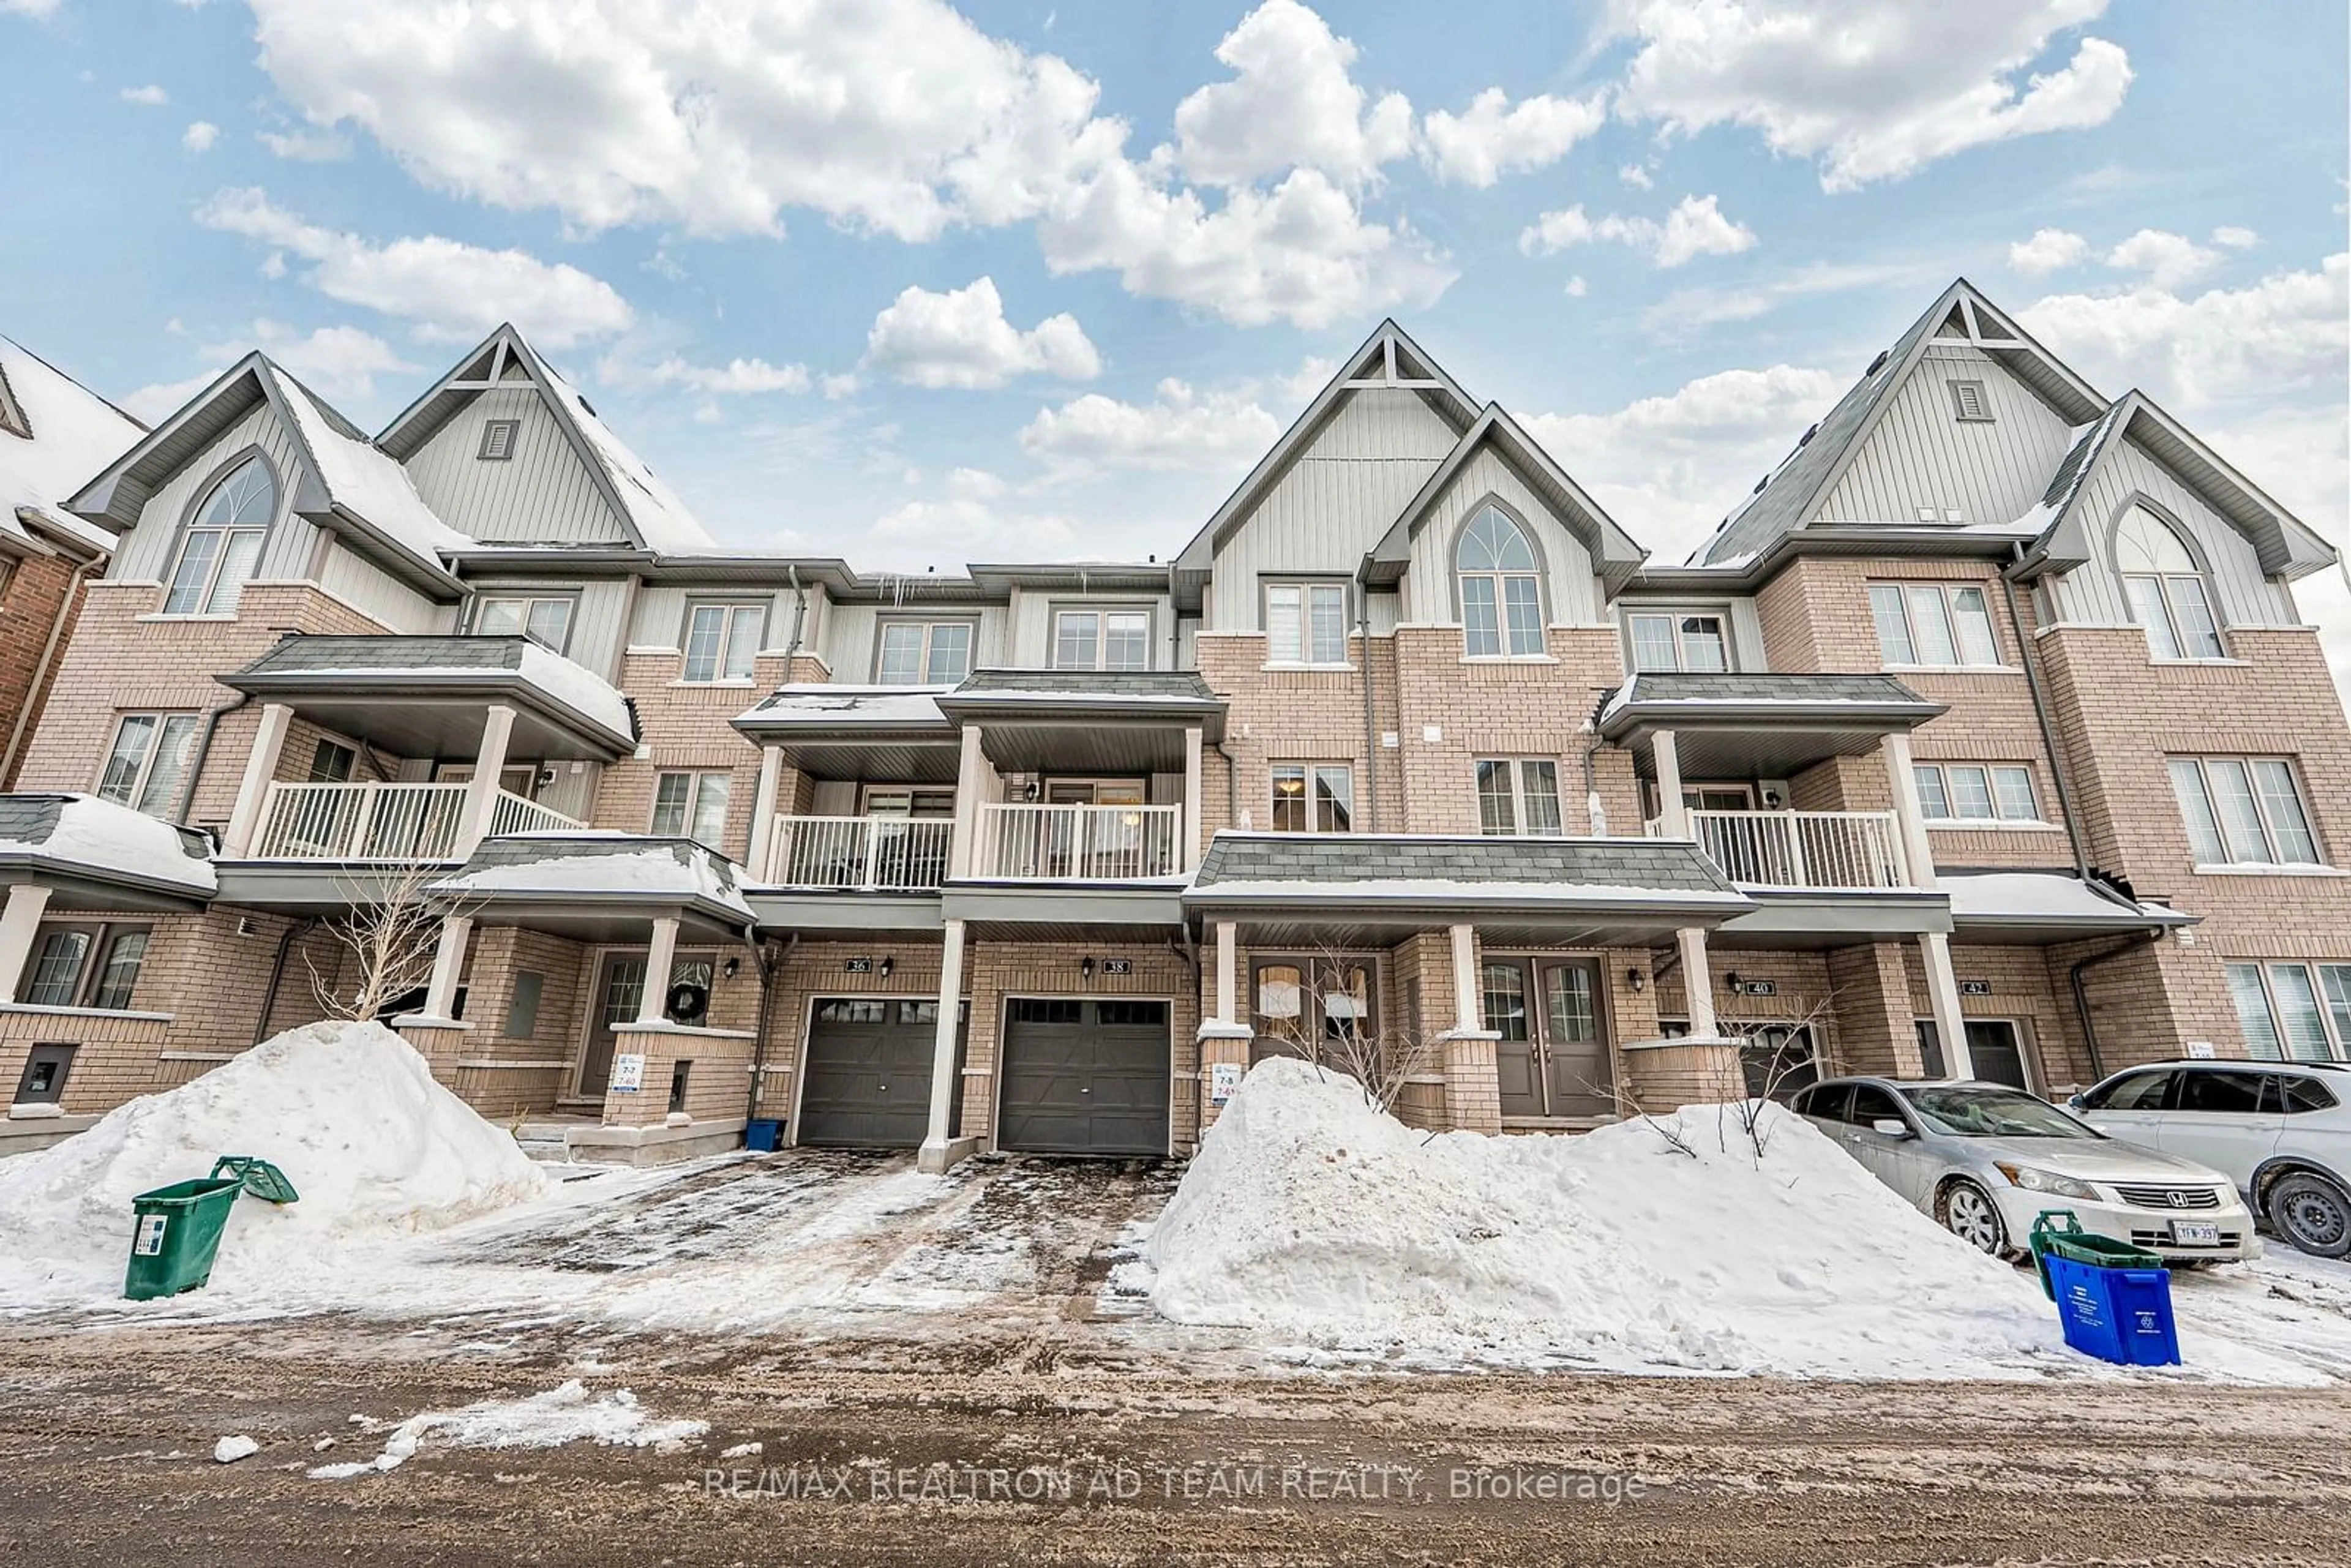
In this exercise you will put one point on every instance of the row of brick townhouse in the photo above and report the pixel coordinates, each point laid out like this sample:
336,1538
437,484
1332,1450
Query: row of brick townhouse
1983,737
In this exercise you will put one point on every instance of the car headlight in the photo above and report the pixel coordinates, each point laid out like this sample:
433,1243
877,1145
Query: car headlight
2032,1179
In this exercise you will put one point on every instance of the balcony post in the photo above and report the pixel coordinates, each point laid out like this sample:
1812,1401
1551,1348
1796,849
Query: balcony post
763,813
1698,981
1191,814
448,963
482,793
1910,817
1228,973
936,1152
252,789
20,919
1466,1016
964,851
653,1002
1665,751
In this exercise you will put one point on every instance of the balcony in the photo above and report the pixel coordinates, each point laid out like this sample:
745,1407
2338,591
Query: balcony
1079,843
893,854
1840,851
395,822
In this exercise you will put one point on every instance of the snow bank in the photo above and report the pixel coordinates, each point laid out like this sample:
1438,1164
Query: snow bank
349,1110
562,1415
1311,1215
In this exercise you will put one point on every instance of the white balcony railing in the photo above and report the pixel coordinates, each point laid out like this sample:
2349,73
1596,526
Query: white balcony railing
383,821
1802,849
1079,843
894,854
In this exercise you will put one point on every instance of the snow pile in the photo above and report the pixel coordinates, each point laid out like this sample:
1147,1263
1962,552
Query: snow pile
230,1449
1311,1215
548,1420
349,1110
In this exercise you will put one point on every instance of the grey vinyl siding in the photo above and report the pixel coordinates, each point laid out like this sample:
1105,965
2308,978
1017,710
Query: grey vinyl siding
2092,594
542,493
1571,593
1923,454
659,620
852,633
149,548
1338,497
377,594
1739,623
574,794
1030,626
599,614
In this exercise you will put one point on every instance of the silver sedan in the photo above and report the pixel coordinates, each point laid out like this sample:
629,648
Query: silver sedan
1984,1160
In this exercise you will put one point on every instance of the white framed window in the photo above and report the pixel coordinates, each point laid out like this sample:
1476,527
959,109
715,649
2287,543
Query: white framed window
1101,640
1945,624
545,619
692,806
2243,811
218,551
2295,1011
924,653
1501,589
1313,798
1678,640
1519,795
721,640
1306,622
148,761
1975,792
498,438
2166,589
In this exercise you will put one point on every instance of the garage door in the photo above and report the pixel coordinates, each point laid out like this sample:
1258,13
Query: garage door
1084,1077
868,1073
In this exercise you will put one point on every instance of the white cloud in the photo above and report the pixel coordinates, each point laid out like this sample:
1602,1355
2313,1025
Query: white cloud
1292,103
2167,259
1493,137
2048,251
307,144
843,384
151,95
2232,237
1634,177
1689,310
1695,228
29,8
158,401
1873,91
1575,288
199,136
1180,430
973,515
736,378
340,362
450,290
960,339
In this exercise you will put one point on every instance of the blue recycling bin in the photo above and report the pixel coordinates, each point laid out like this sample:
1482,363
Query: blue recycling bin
763,1134
2122,1315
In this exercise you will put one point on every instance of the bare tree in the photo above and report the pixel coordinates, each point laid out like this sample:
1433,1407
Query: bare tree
391,934
1382,1054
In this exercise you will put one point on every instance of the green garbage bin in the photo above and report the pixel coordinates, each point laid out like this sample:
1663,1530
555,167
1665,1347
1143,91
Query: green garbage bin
258,1176
174,1233
2058,1232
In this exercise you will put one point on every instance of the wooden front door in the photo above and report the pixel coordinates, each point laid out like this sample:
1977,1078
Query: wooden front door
620,986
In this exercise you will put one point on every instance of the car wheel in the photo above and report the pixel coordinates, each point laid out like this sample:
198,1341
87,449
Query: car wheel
1968,1212
2311,1214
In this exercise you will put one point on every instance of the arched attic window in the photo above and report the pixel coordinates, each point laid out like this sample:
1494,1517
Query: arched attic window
220,546
1501,592
2166,586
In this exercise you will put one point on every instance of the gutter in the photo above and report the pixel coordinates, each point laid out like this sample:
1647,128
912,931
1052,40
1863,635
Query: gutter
1371,736
292,933
2028,657
203,750
769,961
42,669
2082,994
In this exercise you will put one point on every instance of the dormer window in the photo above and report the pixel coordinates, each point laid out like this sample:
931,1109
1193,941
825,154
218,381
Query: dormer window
499,437
1501,592
2166,589
218,551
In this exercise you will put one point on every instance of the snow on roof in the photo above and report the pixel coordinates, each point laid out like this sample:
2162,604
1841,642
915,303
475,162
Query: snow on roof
829,706
2035,894
658,517
362,478
577,687
1408,890
573,862
76,434
110,841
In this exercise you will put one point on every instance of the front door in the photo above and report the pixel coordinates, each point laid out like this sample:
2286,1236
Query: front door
619,990
1317,1008
1552,1054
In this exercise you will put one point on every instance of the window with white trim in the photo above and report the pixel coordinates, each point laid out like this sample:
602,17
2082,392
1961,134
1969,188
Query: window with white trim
2299,1012
722,640
1975,792
924,653
148,761
1678,640
2166,589
1101,640
1519,795
1313,798
692,806
1502,590
545,619
1946,624
2243,811
219,549
1306,622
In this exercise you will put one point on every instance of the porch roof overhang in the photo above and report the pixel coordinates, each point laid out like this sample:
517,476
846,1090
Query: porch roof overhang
893,733
92,854
1810,918
1758,725
595,886
1065,911
835,914
2036,907
428,696
313,887
1086,721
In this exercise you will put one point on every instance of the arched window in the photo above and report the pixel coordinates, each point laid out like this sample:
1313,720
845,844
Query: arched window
1501,598
2166,589
218,552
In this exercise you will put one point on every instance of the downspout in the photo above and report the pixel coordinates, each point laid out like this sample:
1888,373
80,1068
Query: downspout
1371,736
2082,993
293,934
768,959
74,585
800,617
2027,658
204,749
1593,811
1232,788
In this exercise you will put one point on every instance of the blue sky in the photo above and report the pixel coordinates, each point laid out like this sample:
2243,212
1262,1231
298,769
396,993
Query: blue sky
921,286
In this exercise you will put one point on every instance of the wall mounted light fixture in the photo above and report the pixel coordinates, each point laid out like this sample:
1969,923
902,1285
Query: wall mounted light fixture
888,964
1086,970
734,967
1636,979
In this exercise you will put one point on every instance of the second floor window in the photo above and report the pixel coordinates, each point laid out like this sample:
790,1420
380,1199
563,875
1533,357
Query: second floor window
1975,792
1313,798
218,551
1501,592
2244,810
1306,623
545,621
2166,589
692,806
721,640
923,653
1678,642
1933,623
1101,640
1519,795
148,761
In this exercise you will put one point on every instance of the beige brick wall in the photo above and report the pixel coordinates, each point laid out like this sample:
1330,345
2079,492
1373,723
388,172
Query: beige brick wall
684,728
37,628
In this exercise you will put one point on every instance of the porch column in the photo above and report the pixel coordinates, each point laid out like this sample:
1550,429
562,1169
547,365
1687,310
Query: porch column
1698,981
1192,742
966,852
253,790
660,958
945,1081
1466,1018
1943,998
448,963
1910,817
482,794
19,919
1227,978
763,812
1672,819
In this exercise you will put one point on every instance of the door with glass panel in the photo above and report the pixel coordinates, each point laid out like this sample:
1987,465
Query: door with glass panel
1097,843
620,990
1317,1009
1551,1053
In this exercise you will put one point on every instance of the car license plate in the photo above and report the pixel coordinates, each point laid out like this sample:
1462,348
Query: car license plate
2195,1233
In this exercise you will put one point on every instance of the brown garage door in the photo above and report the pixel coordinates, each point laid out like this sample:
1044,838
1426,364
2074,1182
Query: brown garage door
868,1071
1084,1077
